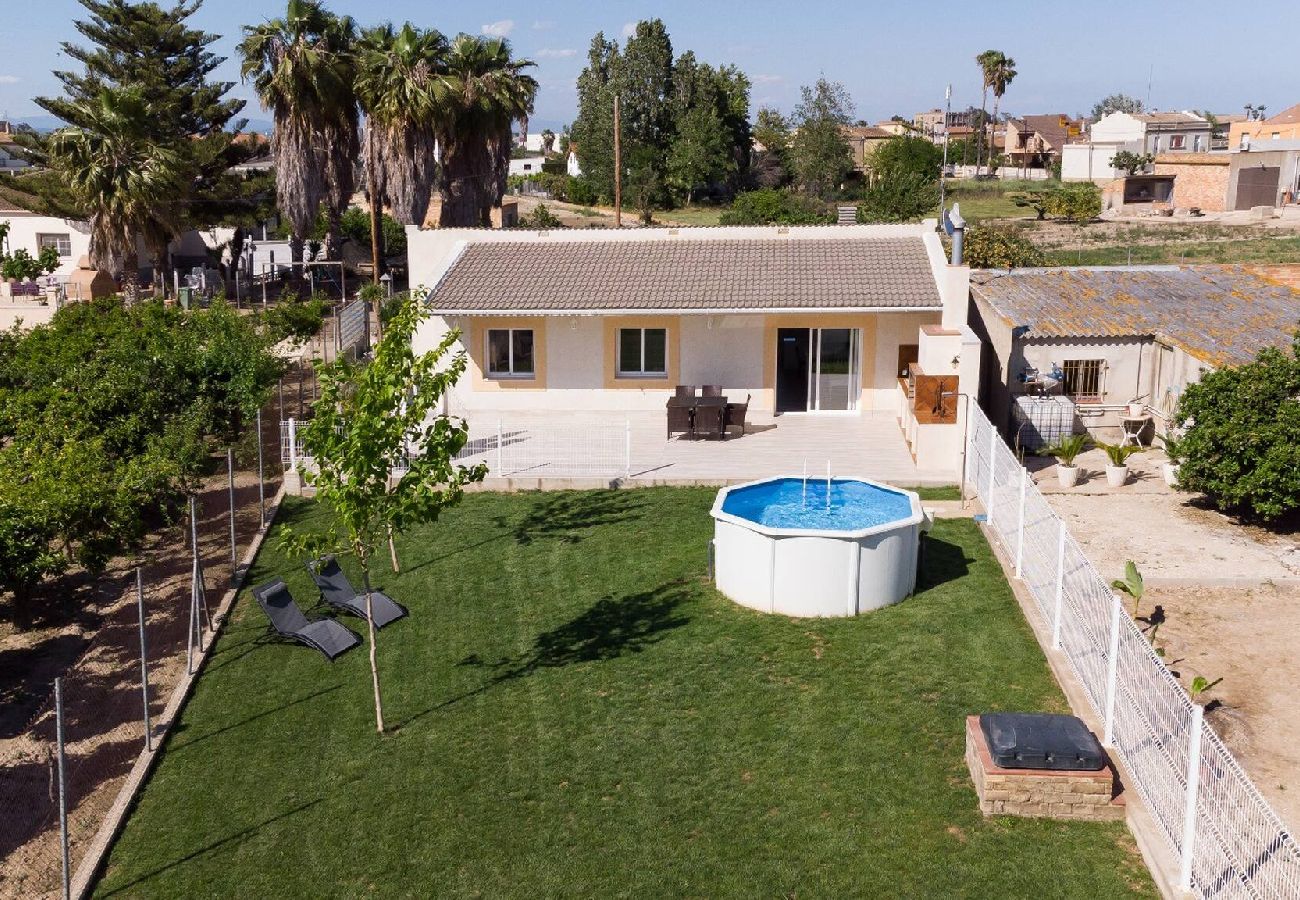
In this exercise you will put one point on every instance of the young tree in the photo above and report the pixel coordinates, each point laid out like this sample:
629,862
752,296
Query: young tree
907,155
991,247
1075,202
370,417
771,166
1116,103
1131,162
820,154
906,197
1239,429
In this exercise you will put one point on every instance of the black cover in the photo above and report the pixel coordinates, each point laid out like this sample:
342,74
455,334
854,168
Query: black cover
325,635
1041,741
336,590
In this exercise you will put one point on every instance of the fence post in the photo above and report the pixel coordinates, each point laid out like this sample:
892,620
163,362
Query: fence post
1020,527
1112,669
500,436
293,444
230,493
993,447
1193,788
63,793
144,658
261,486
1060,585
627,448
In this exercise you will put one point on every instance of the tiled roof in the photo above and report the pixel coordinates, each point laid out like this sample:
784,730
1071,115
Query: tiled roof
1171,118
689,274
1220,315
1288,116
1049,126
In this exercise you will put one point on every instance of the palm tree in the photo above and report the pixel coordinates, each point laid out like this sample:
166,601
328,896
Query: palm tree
987,62
302,69
126,179
1001,75
482,92
396,87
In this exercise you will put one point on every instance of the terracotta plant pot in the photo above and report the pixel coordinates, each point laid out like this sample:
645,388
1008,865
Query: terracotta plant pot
1171,474
1116,475
1068,476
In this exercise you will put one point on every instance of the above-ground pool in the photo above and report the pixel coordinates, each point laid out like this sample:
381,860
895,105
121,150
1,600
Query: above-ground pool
779,546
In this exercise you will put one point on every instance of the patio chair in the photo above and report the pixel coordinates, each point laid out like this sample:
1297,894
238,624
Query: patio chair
736,414
709,419
685,392
681,419
711,390
337,591
325,635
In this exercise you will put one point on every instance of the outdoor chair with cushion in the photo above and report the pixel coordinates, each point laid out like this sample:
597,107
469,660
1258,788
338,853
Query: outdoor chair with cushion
325,635
680,419
711,390
736,414
685,392
337,591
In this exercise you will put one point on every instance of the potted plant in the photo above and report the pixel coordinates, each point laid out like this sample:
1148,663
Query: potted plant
1067,473
1117,455
1136,408
1173,448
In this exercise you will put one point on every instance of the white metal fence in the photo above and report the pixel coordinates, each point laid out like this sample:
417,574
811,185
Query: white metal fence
551,450
1228,840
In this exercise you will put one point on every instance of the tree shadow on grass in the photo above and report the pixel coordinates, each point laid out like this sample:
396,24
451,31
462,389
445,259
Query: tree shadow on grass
609,628
180,729
941,562
565,516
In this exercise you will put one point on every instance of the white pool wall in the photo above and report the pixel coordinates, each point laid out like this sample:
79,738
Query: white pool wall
803,572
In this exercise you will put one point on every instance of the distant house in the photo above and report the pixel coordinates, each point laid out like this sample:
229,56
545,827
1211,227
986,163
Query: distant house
1106,337
1035,142
572,166
1141,133
10,160
863,141
1200,180
1246,135
894,128
1267,174
33,231
528,166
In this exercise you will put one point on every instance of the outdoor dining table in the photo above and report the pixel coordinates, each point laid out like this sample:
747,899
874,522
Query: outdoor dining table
709,412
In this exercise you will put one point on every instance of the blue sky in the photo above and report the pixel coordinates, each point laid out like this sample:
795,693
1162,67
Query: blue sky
893,57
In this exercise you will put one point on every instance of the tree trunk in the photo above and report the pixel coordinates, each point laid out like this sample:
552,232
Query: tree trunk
376,209
979,135
392,550
374,665
997,101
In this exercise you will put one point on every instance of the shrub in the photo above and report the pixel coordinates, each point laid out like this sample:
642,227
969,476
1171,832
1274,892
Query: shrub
1075,202
540,218
581,192
1239,428
990,247
899,198
769,206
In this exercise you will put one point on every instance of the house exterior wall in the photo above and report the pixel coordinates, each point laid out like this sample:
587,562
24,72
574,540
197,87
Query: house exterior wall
1287,161
1200,180
1091,161
25,227
1261,132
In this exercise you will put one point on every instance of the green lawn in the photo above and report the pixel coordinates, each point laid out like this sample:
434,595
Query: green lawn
575,712
690,215
981,200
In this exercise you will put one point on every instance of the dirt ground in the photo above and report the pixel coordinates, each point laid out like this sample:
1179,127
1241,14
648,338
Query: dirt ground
1230,595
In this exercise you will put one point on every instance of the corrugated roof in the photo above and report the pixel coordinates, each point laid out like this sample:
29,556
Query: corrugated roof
689,274
1221,315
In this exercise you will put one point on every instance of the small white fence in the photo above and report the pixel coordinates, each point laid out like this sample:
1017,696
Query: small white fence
578,450
1228,840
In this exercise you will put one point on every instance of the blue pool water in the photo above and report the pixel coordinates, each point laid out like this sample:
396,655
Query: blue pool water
781,503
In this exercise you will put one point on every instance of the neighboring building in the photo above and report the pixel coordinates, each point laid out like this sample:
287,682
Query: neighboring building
571,164
1268,174
863,141
1154,133
1200,180
32,231
1113,336
1221,126
527,166
818,319
1248,134
930,124
894,128
10,160
1035,142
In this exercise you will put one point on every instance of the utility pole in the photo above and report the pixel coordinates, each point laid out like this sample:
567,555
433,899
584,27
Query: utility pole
943,173
376,205
618,168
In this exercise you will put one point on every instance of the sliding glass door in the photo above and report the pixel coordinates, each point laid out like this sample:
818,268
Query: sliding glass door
818,369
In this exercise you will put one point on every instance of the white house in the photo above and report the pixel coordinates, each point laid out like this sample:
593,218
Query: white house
820,320
528,166
572,165
1154,133
32,232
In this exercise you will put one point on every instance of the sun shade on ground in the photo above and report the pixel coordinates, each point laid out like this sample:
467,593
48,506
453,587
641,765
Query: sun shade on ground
576,712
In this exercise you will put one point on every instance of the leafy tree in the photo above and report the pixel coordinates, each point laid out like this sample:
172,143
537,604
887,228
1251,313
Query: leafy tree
593,129
302,67
771,166
644,186
1239,430
907,155
646,89
1037,200
1116,103
125,177
154,51
355,224
548,142
992,247
1131,162
20,264
370,417
700,153
769,206
484,90
711,126
1075,202
905,197
820,154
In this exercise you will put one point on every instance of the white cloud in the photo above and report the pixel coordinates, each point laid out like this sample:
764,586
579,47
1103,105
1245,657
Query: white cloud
548,53
9,79
629,29
767,79
543,25
499,29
